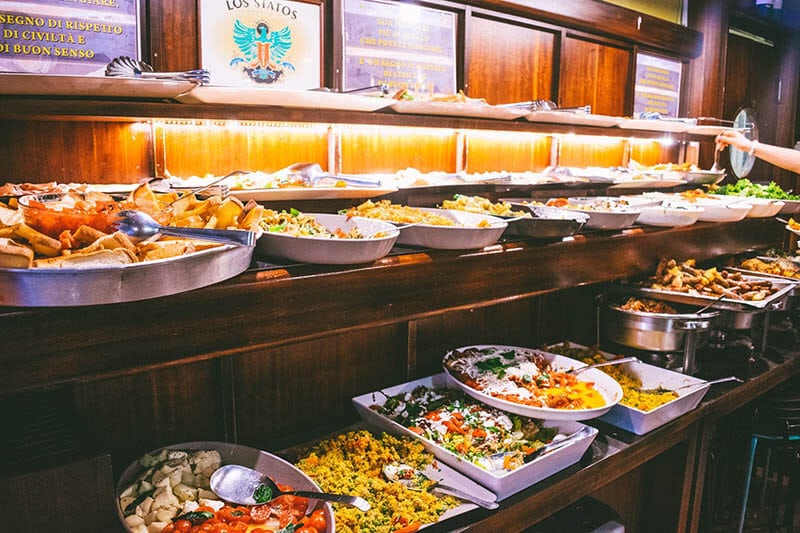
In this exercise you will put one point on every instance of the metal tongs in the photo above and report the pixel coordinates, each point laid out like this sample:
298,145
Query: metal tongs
125,66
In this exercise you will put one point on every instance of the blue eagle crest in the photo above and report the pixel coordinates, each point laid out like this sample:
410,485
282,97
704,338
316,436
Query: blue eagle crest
262,51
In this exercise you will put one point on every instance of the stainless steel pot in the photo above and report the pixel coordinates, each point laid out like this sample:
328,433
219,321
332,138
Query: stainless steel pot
739,317
661,332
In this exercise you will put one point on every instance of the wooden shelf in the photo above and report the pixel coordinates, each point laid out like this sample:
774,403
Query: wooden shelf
78,109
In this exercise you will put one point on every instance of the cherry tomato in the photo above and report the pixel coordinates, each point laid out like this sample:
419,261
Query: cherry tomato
184,526
220,528
306,529
169,528
259,514
317,520
261,530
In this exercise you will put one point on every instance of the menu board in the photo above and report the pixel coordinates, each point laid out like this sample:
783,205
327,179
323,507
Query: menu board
658,86
67,36
400,45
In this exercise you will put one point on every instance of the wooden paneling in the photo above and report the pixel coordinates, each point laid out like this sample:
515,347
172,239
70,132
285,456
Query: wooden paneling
591,151
296,392
515,68
220,147
508,323
172,34
649,152
513,152
595,74
274,307
390,150
603,18
146,410
68,152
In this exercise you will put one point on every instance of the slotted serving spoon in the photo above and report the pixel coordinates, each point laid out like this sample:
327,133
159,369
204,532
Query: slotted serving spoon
312,173
576,371
244,486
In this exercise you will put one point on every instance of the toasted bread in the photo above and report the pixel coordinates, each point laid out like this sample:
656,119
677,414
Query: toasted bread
86,235
14,255
110,242
99,258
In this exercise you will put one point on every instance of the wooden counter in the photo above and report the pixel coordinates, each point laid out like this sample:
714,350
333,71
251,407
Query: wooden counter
272,357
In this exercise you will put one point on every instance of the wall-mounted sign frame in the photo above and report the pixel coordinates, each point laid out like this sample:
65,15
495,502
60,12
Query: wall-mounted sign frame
398,44
657,87
67,36
262,43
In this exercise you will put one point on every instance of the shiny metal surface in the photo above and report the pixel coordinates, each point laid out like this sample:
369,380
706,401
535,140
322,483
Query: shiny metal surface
783,286
33,287
660,332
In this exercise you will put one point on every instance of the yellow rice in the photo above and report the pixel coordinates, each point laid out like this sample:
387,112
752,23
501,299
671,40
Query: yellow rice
351,463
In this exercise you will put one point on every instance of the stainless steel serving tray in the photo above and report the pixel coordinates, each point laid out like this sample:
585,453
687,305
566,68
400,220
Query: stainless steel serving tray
784,286
50,287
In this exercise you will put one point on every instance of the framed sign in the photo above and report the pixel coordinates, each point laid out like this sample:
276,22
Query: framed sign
400,45
262,43
67,36
658,86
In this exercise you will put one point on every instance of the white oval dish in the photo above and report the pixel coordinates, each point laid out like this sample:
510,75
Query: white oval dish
329,251
472,231
669,215
718,211
603,383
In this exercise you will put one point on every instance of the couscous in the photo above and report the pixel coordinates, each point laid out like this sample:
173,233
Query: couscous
351,463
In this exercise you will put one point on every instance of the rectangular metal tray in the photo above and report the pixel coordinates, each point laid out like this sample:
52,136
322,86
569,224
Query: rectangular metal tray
784,287
641,422
50,287
502,484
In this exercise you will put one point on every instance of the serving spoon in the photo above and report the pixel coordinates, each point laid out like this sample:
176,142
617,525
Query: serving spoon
312,173
497,459
576,371
245,486
416,480
140,225
691,385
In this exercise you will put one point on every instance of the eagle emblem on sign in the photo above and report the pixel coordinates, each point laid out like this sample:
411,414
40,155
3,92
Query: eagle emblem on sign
262,51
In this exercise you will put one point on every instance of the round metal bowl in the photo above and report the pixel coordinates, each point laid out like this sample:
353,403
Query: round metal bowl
732,316
661,332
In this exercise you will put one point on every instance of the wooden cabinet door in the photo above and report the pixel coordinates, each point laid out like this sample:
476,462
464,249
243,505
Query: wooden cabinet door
596,74
507,62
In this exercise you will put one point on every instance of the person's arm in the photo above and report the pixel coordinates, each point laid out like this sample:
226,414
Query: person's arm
787,158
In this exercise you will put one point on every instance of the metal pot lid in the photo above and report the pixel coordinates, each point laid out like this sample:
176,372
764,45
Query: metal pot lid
741,161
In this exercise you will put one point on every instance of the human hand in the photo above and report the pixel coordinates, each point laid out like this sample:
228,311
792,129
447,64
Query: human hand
734,138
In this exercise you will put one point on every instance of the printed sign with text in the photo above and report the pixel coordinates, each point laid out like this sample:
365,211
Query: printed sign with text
67,36
658,86
400,45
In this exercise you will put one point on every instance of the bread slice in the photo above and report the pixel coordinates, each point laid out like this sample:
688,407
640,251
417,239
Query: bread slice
110,242
97,259
14,255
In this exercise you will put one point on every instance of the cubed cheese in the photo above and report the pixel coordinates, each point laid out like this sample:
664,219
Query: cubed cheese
134,520
184,492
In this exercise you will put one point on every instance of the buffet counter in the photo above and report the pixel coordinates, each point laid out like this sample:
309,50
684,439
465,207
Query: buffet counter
285,347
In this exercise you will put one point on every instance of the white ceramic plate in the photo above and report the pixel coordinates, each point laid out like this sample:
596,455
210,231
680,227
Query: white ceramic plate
456,109
717,211
707,130
309,193
467,235
652,377
669,216
607,387
332,251
504,483
87,86
264,96
671,126
577,119
281,470
761,207
609,220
